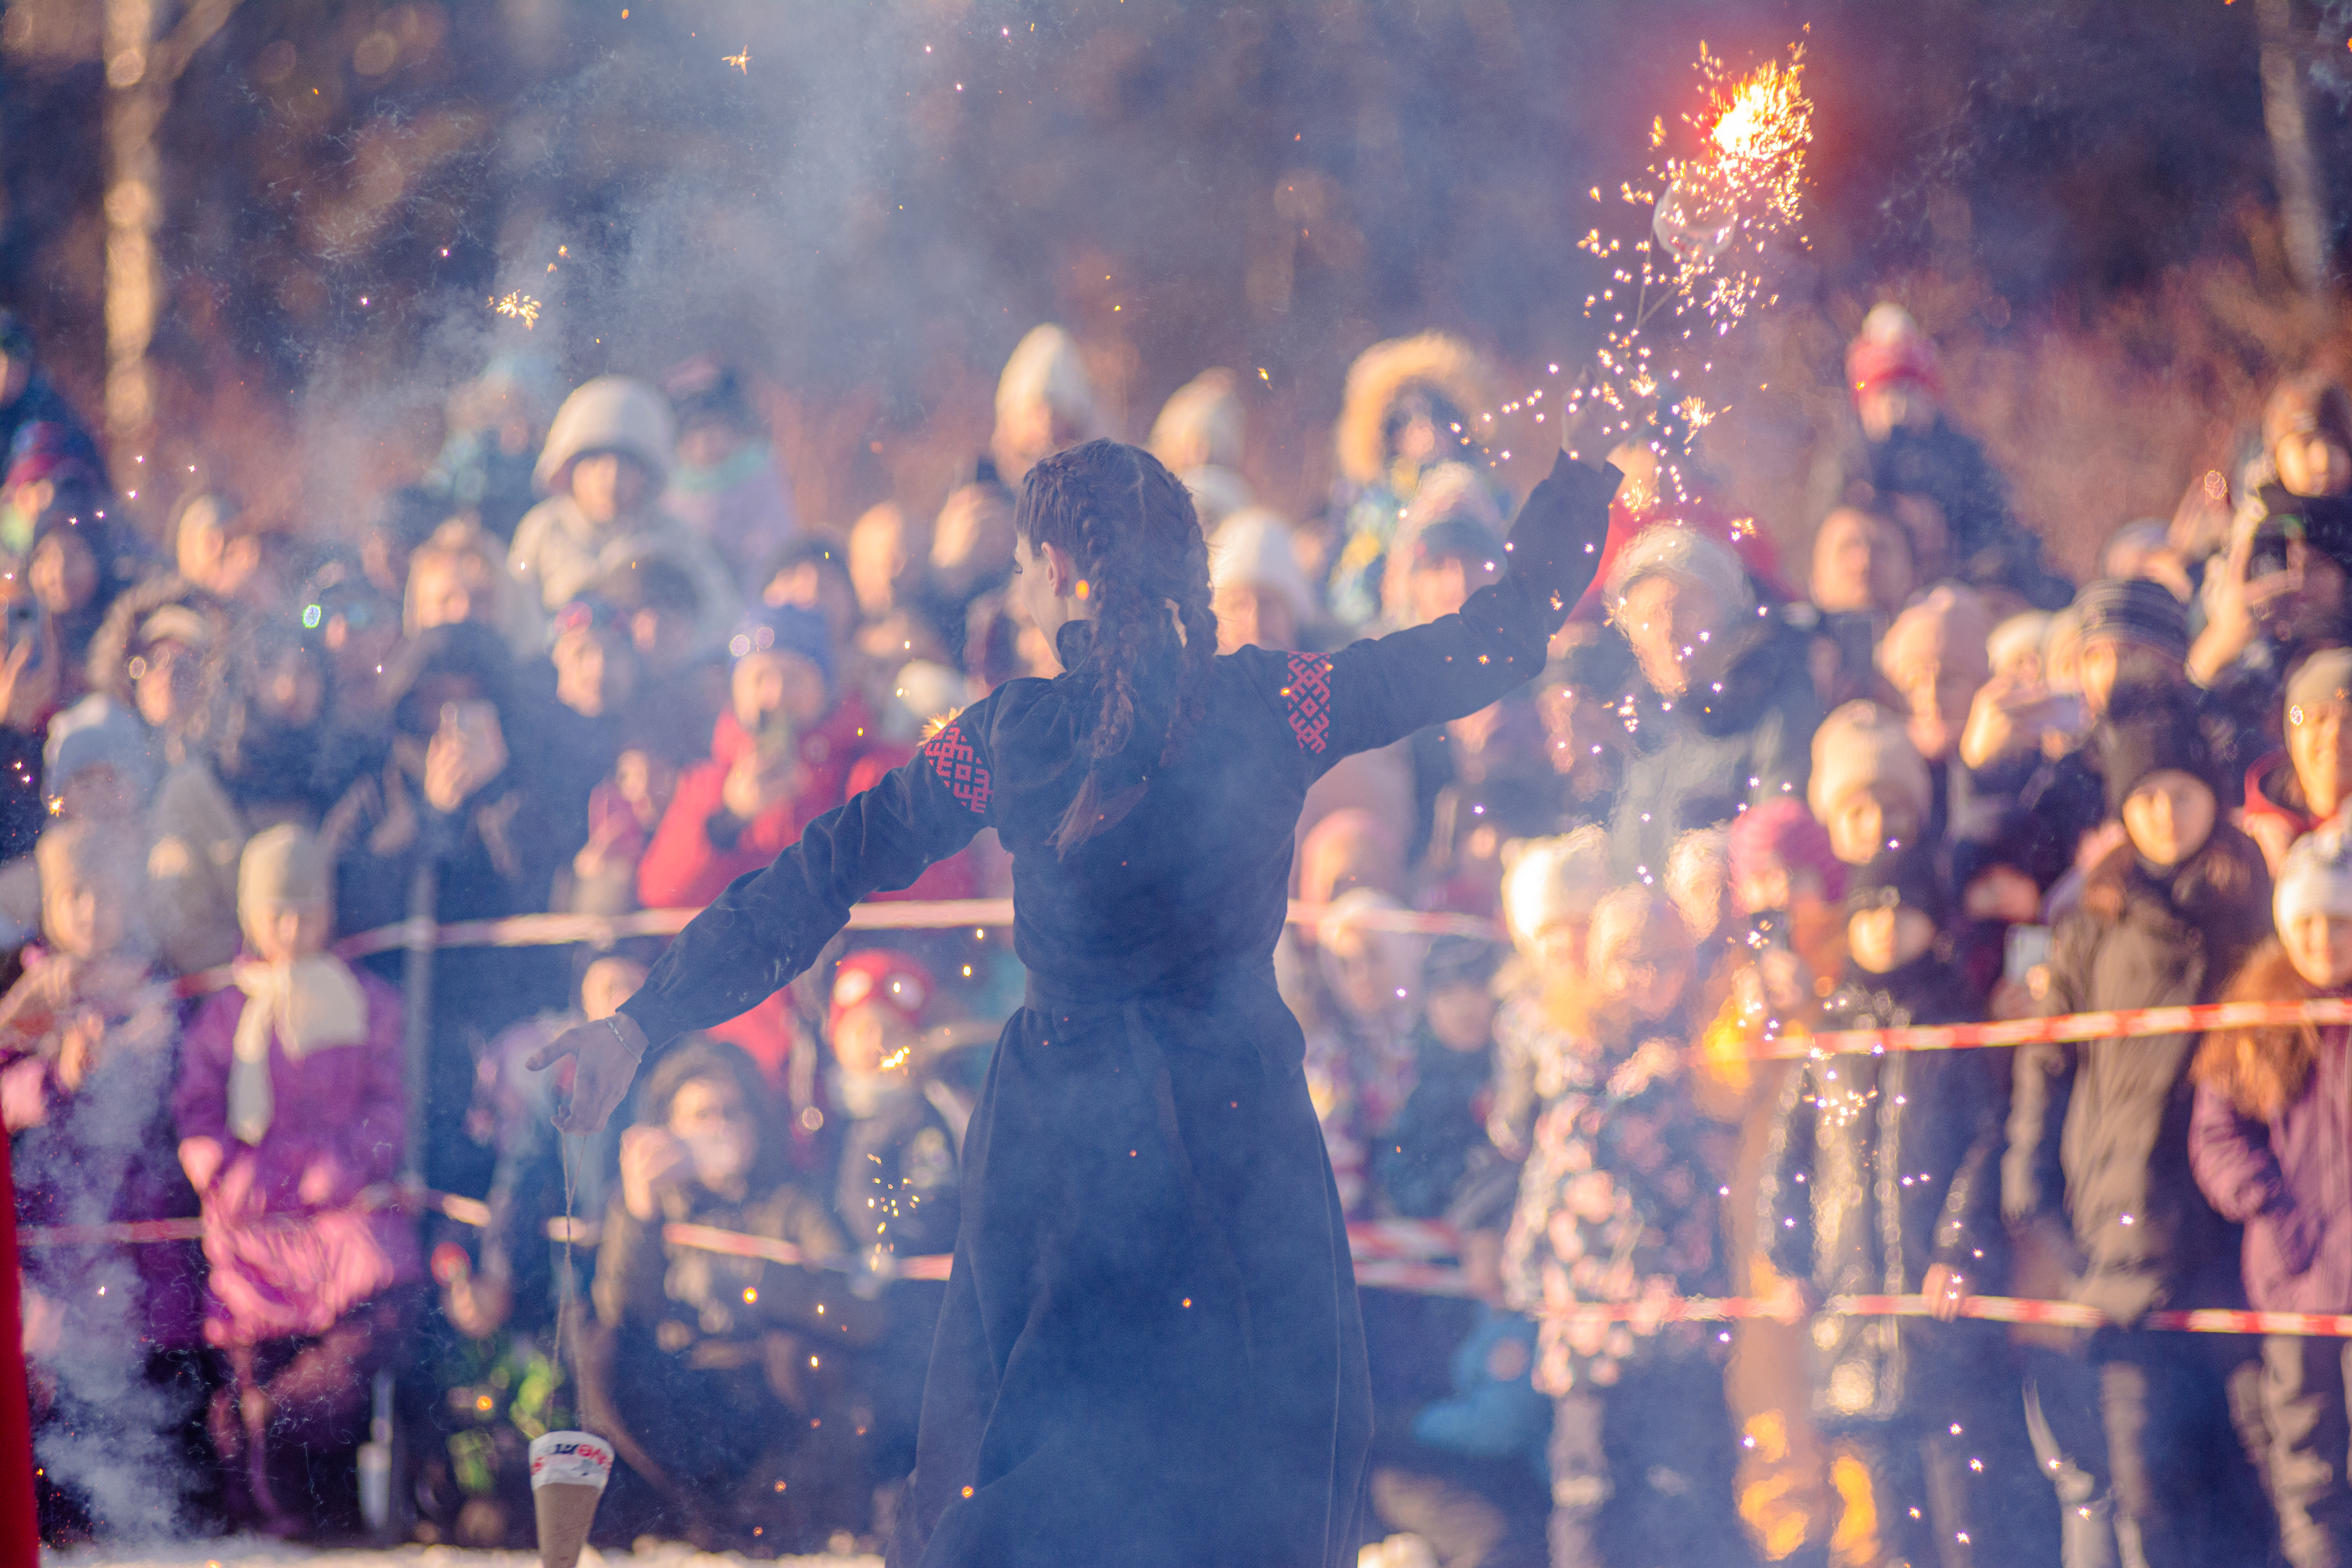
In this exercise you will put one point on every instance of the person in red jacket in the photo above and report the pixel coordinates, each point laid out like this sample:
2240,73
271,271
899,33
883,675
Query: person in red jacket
789,747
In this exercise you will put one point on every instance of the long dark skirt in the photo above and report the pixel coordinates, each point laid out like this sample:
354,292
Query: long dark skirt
1150,1351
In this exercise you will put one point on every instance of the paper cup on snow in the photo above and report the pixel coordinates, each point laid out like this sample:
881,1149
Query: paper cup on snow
568,1472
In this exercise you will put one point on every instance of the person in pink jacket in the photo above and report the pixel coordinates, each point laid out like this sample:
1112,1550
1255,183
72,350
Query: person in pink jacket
289,1109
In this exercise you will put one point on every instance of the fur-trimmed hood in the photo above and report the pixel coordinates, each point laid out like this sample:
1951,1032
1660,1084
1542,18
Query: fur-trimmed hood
2222,887
1381,375
2262,1071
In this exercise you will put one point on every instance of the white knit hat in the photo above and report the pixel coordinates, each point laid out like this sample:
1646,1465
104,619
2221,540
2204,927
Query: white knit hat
610,414
1548,881
1046,367
1862,745
1252,549
1668,550
2315,878
1202,423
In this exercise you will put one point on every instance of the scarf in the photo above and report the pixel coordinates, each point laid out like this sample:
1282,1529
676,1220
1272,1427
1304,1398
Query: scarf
310,1004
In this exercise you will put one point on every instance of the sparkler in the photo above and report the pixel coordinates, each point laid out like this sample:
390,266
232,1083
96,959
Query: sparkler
1713,215
521,307
742,62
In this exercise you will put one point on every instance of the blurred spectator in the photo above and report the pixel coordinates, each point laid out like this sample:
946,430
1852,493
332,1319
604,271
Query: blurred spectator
728,486
1262,596
2294,790
717,1377
404,520
2144,549
99,768
149,655
1883,1175
289,1106
1345,850
1408,408
1449,545
971,555
2097,1173
1435,1137
2014,647
359,627
887,552
2268,1143
607,457
27,397
1045,402
1862,578
1360,1049
1199,434
1725,704
1948,493
624,812
494,425
264,748
229,551
80,563
87,1046
457,575
812,574
597,676
901,1159
1617,1202
49,468
453,825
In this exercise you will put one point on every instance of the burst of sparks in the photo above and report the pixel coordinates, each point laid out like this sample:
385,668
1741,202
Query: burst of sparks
521,307
1701,267
742,62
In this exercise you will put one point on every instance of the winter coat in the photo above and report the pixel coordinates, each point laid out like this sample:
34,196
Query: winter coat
282,1266
2272,1143
558,554
1419,1161
2098,1129
900,1170
1878,1166
1695,762
1617,1201
1149,1331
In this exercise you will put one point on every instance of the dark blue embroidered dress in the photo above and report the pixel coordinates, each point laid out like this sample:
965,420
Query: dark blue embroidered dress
1149,1352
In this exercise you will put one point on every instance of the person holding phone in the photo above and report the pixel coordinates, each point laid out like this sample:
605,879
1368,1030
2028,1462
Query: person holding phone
1150,1338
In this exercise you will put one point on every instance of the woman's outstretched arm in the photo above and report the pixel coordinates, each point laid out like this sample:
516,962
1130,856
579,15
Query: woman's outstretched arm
769,926
1380,690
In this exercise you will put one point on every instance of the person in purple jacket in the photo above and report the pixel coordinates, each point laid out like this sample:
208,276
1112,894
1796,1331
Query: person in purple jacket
289,1108
2270,1141
1150,1351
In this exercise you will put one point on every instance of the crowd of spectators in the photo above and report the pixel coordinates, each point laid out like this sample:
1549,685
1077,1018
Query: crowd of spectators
592,662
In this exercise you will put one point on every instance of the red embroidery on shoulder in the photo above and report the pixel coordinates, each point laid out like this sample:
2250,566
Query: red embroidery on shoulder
952,756
1309,695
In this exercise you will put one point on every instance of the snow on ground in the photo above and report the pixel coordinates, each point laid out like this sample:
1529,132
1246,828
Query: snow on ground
248,1553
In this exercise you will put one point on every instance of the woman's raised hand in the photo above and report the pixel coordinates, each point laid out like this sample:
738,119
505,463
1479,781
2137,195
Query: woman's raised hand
605,1055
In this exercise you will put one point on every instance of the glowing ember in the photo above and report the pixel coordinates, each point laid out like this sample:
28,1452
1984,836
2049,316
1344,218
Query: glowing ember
742,62
521,307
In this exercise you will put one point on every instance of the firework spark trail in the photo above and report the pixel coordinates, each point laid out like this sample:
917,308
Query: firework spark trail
521,307
1701,269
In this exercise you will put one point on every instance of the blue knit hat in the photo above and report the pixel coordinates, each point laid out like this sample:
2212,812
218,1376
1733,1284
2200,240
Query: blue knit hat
785,629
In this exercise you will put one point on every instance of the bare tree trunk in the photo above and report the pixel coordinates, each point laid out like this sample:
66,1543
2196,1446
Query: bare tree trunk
134,206
2303,202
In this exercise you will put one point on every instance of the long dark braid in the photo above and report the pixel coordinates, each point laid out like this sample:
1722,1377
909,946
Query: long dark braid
1128,527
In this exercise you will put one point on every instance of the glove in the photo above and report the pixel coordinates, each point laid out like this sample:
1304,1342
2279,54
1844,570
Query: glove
1555,547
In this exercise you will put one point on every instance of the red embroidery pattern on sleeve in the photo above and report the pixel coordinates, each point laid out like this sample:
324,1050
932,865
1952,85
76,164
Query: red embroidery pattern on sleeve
956,762
1309,695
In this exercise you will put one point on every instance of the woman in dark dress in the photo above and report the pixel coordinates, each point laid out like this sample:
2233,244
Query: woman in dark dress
1149,1352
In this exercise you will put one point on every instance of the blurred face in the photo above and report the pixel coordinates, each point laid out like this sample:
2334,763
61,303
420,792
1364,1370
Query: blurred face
198,551
707,1115
810,586
360,632
709,445
647,782
290,688
773,681
2169,816
592,676
1646,974
82,918
2105,663
16,371
1762,888
96,794
2309,464
2320,948
1860,565
1367,977
63,573
448,590
879,556
1560,946
1670,626
163,683
1439,587
1938,695
1867,821
972,538
2002,893
280,933
607,486
1893,405
873,1037
1462,1017
2319,744
1883,941
609,982
1253,617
